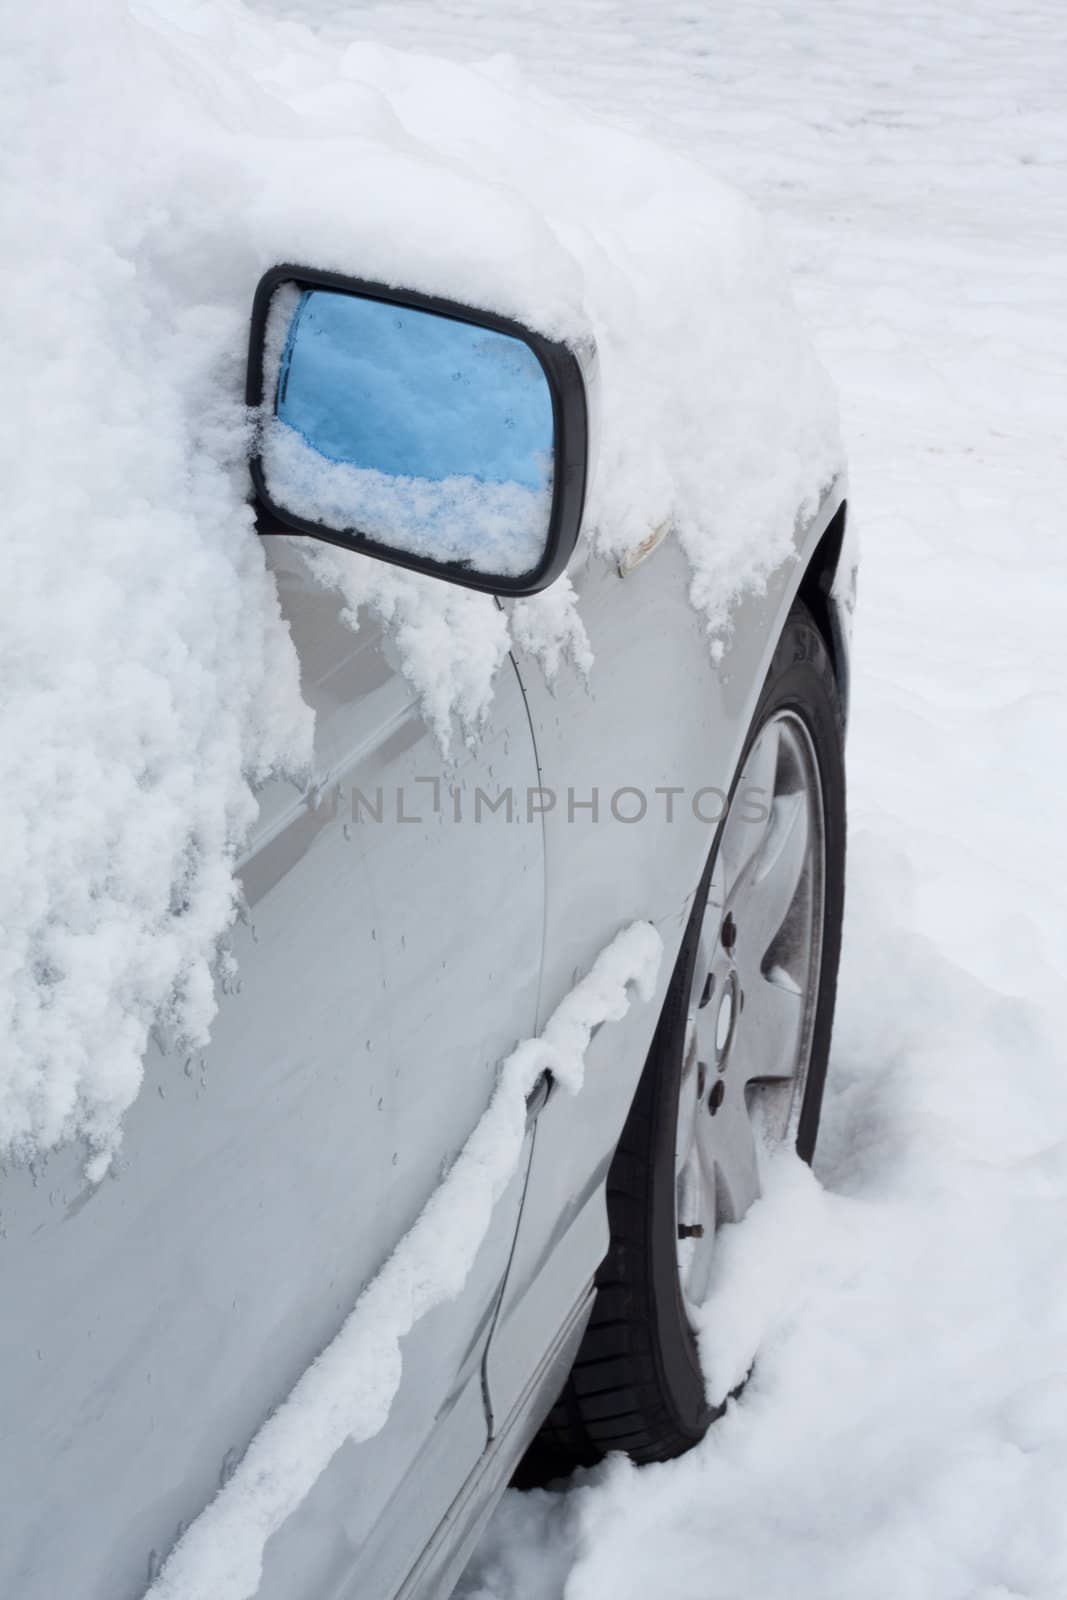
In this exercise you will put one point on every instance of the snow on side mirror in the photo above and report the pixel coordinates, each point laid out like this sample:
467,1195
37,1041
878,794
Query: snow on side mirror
417,430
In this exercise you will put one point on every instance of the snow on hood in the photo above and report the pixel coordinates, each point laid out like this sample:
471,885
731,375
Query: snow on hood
157,158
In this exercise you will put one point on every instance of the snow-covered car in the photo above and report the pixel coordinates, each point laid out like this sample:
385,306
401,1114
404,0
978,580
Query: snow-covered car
640,877
421,792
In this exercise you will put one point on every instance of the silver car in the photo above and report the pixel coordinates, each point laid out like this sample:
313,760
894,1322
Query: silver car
409,918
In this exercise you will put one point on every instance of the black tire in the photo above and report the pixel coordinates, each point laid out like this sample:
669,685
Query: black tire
636,1384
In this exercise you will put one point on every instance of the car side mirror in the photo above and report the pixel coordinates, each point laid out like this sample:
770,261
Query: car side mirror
417,430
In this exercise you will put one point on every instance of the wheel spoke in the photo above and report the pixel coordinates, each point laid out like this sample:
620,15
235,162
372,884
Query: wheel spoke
765,1048
728,1151
777,871
751,811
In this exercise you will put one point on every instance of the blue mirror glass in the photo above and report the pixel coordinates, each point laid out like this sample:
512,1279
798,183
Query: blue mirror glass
429,435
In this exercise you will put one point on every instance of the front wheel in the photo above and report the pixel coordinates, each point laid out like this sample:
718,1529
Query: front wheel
738,1059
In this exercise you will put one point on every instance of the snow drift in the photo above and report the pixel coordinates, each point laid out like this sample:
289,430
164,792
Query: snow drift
157,158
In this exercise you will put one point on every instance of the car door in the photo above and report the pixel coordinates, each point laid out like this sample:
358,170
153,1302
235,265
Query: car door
389,956
636,764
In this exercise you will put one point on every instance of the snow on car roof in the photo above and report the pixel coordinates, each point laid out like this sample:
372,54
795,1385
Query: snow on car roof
160,156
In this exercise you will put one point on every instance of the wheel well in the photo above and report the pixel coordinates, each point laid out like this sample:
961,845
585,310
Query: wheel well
815,587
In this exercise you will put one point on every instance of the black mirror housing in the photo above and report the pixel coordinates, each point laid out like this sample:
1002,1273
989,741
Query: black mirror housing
557,365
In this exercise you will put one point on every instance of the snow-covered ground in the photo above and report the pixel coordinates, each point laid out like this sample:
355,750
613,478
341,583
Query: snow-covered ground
904,1433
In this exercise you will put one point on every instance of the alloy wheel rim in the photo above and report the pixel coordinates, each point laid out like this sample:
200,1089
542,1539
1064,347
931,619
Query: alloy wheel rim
753,996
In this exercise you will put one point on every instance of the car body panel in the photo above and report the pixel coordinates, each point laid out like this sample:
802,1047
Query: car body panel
445,1555
152,1323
